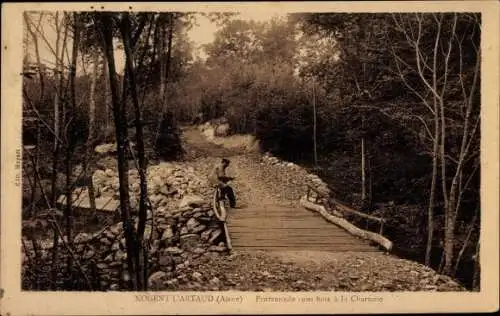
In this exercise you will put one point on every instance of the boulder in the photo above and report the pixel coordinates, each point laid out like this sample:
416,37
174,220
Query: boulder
166,260
174,250
197,276
189,241
192,225
89,254
81,238
106,148
217,248
167,234
114,287
206,234
215,235
209,133
156,279
191,200
184,231
99,178
222,130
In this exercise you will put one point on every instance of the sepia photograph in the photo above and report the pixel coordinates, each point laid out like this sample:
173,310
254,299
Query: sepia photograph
188,155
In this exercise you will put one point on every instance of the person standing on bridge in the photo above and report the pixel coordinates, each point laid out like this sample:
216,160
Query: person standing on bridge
218,178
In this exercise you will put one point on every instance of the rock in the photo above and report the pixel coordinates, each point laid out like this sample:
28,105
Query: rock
156,199
106,148
214,281
189,241
123,243
115,246
89,254
192,225
156,279
157,181
184,231
217,248
206,234
154,247
197,214
198,250
109,258
199,228
215,234
167,192
114,287
125,276
172,282
102,266
105,241
197,276
147,232
191,200
165,260
222,130
120,255
109,234
167,234
109,173
81,238
98,178
116,229
174,250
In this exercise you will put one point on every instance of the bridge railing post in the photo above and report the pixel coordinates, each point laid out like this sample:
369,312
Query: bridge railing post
381,230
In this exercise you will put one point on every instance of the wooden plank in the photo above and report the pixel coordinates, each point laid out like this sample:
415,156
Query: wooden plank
285,228
284,248
309,247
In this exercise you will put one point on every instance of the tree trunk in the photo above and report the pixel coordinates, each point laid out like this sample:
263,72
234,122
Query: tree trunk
28,22
476,278
432,196
141,261
166,55
169,58
352,229
314,124
370,182
57,133
121,139
88,167
363,169
162,59
57,112
107,101
452,199
35,168
69,136
466,241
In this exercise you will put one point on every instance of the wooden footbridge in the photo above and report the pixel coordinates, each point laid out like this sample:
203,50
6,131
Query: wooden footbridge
273,227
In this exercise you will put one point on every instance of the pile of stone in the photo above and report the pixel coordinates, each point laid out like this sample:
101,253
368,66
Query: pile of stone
180,226
308,178
168,184
174,241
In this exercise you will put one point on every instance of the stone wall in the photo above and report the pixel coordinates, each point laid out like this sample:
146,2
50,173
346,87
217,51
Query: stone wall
181,227
176,239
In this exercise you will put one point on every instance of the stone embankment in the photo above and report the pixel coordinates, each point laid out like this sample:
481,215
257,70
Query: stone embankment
181,228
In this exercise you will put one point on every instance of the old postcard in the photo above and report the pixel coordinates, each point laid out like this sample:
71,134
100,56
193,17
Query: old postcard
249,158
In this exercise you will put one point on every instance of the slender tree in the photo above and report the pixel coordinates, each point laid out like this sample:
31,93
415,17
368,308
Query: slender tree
107,27
141,260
